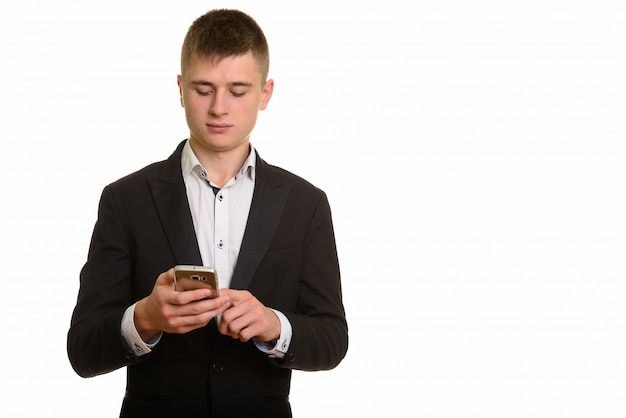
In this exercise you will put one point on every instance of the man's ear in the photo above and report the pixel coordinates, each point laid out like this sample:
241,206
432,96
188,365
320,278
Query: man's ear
268,89
179,80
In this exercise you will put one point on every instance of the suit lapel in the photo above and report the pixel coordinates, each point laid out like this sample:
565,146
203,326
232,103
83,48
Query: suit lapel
170,199
266,211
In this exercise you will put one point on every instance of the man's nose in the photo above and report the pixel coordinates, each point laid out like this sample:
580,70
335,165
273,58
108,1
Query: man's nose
218,104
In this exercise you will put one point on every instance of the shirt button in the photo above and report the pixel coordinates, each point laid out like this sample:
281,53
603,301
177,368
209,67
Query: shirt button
217,367
220,197
220,245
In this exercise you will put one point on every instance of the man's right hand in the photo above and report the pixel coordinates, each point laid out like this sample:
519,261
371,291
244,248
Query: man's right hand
168,310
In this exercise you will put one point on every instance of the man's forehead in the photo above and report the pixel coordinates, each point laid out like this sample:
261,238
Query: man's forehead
231,61
240,68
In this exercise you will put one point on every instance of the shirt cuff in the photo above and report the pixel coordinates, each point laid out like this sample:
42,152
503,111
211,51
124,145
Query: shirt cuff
278,348
130,334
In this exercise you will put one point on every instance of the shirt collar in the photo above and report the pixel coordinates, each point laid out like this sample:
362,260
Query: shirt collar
189,163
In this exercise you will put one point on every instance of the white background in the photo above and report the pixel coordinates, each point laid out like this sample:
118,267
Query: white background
473,153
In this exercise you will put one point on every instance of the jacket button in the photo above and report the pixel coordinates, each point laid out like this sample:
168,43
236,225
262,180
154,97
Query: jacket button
292,357
217,367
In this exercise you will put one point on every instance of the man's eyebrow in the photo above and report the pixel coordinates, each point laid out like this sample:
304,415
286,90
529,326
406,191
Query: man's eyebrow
210,84
201,83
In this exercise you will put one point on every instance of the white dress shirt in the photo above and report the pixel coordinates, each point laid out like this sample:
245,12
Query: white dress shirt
219,219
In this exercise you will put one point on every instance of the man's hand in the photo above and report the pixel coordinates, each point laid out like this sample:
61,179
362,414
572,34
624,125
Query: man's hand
168,310
247,317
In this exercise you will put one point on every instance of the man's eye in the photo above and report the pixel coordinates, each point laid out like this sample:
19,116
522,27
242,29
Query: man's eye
203,93
236,94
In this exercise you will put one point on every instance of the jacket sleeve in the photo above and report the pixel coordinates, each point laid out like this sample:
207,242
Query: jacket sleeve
320,330
94,341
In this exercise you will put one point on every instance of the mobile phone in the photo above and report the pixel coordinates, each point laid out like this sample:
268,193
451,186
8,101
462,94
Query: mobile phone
196,277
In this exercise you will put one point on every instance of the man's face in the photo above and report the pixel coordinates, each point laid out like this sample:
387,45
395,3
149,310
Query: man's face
222,100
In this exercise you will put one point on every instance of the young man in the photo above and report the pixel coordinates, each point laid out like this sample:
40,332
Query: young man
213,202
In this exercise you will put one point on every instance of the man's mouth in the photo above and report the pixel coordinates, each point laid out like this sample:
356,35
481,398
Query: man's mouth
218,127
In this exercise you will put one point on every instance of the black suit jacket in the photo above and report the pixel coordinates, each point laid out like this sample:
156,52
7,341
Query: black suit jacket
288,260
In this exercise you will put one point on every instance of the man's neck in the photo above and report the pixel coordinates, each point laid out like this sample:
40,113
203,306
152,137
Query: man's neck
222,165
